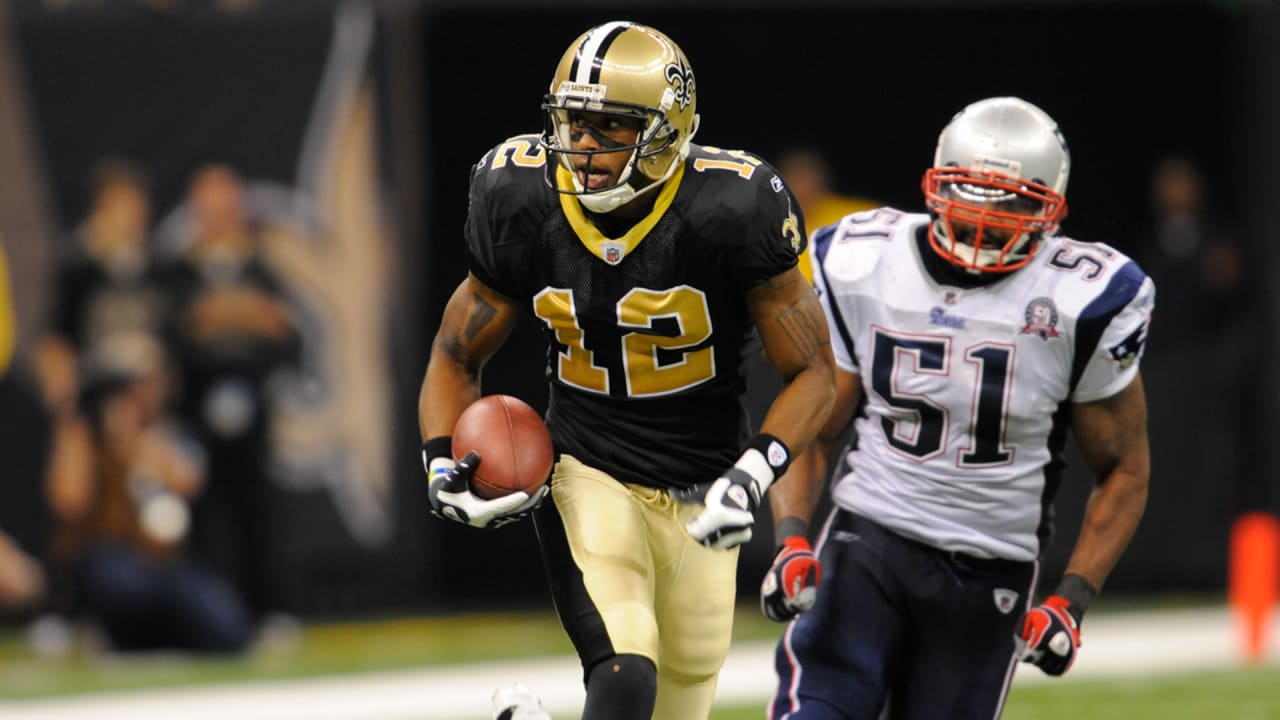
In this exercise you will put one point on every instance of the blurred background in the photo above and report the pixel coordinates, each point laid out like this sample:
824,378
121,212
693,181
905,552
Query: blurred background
231,226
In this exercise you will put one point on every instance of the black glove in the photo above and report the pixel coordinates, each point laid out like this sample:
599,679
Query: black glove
449,491
791,585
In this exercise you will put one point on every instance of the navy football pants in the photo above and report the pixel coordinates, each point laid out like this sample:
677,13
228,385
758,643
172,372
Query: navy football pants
902,629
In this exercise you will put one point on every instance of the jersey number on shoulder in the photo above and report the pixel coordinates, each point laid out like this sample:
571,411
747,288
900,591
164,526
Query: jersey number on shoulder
739,162
524,151
918,424
1076,256
652,364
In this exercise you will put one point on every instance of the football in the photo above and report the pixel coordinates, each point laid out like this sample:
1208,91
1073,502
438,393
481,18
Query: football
512,441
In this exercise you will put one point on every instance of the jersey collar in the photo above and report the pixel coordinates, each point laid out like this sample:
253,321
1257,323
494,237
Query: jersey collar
613,250
943,272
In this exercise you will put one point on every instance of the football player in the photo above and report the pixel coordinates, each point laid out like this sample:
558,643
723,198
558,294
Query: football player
969,339
657,268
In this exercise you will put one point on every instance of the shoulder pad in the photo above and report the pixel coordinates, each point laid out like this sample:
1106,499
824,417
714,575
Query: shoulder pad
731,168
519,151
1093,278
511,176
852,248
737,193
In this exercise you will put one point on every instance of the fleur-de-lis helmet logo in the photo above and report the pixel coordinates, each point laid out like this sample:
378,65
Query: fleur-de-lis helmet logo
680,75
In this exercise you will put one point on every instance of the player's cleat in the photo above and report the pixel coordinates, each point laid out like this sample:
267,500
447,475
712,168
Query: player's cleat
517,703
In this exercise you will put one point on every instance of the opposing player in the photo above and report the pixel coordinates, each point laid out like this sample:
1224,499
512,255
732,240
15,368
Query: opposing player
657,267
970,338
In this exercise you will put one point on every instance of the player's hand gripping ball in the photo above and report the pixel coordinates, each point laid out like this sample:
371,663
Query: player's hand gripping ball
504,457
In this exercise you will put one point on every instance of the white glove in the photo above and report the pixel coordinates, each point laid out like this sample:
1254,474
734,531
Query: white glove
731,501
449,491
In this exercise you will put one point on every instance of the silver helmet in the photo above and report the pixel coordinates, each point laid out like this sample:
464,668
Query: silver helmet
997,185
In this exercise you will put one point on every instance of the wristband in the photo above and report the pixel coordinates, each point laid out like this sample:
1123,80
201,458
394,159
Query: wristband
1078,593
789,527
775,452
437,454
439,446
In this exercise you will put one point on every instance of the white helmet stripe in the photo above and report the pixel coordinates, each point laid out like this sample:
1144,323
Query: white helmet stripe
586,66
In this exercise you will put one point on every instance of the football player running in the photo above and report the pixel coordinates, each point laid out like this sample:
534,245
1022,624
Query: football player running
657,268
968,340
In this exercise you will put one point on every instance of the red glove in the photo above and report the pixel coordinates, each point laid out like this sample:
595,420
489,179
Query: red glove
791,585
1051,633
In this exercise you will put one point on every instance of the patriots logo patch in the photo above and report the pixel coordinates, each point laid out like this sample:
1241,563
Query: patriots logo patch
1128,350
1041,318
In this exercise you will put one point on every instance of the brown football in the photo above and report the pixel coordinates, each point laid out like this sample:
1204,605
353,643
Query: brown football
512,441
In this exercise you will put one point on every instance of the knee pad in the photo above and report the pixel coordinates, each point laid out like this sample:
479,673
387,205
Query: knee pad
623,687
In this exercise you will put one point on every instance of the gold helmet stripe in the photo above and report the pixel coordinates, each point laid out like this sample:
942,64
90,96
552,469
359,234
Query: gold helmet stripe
590,56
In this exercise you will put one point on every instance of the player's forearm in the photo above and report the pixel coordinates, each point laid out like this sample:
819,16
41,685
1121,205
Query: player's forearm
447,389
476,322
795,496
1112,516
802,407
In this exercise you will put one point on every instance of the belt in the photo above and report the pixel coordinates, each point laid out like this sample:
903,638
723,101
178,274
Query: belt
981,563
862,523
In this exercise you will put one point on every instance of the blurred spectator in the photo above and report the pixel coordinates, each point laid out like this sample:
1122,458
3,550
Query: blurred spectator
233,331
120,477
105,283
1198,369
808,174
1197,265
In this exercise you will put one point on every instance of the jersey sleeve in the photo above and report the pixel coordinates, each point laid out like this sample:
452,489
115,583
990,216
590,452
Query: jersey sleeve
1111,335
502,217
779,237
842,345
766,229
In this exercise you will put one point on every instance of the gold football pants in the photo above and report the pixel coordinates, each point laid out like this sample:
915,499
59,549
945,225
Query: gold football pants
627,579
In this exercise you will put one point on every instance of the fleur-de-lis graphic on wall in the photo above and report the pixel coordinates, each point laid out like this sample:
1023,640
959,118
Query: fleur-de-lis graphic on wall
680,76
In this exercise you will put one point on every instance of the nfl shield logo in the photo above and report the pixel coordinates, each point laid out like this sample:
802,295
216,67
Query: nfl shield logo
613,251
1005,599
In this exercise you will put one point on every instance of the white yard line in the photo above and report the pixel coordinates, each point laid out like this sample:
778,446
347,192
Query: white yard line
1119,644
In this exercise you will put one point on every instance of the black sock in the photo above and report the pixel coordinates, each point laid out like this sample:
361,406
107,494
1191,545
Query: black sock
623,687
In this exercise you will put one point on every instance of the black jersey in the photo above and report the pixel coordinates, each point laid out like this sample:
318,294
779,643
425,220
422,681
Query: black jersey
650,340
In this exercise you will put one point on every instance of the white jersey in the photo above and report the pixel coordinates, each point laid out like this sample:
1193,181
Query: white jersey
959,442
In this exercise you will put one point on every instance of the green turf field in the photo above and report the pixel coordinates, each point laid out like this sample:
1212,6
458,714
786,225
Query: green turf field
1252,694
340,648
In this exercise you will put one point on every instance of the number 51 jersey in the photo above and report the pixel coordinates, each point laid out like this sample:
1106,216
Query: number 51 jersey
959,444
